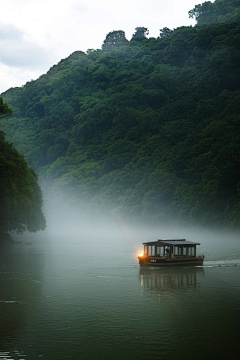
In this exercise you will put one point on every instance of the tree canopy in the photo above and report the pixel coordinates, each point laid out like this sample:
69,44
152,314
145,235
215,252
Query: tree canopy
165,32
140,34
113,39
20,194
4,109
219,11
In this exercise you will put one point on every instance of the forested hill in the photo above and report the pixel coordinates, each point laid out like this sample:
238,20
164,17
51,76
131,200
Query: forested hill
148,127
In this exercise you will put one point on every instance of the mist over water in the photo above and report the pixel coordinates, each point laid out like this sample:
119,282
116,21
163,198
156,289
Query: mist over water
69,224
76,291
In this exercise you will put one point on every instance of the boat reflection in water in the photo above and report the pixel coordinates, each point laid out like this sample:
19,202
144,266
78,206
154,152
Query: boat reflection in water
166,279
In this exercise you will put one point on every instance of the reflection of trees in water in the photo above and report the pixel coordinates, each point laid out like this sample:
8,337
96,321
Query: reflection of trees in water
20,284
170,278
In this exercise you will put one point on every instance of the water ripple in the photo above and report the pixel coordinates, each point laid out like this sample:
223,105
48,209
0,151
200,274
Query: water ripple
229,262
15,355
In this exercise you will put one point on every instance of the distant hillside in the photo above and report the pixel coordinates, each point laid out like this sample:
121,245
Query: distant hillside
148,127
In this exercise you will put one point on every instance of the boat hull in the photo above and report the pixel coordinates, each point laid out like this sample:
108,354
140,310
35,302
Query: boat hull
164,261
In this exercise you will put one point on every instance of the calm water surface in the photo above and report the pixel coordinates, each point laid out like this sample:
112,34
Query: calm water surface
88,299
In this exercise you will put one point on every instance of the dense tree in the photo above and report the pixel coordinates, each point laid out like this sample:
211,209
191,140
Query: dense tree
165,32
4,109
202,12
114,38
20,194
219,11
140,33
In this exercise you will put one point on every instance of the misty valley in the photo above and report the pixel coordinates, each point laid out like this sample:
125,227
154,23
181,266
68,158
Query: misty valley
109,150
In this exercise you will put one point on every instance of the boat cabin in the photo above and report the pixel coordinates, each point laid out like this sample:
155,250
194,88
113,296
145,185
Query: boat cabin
172,251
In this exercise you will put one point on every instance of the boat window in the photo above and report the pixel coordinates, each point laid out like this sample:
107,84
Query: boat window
184,250
153,250
145,249
160,251
149,250
193,251
176,250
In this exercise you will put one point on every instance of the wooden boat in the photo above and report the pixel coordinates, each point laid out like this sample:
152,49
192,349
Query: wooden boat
172,252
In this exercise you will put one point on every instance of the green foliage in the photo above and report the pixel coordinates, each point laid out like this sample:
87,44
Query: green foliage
113,39
218,12
165,32
140,34
20,194
147,127
4,109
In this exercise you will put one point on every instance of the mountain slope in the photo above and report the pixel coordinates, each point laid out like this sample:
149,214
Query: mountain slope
149,127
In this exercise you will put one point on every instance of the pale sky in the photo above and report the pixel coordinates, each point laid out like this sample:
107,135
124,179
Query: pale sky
36,34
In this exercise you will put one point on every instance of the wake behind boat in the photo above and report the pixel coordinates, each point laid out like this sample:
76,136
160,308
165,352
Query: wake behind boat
166,252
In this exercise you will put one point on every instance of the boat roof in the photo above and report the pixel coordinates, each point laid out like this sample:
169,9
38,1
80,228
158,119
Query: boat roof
168,242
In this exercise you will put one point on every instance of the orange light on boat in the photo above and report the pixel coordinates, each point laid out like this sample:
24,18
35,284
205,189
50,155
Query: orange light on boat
140,254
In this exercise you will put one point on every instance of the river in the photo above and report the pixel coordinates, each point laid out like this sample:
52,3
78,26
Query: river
86,298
